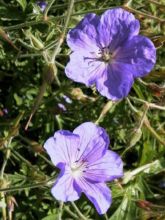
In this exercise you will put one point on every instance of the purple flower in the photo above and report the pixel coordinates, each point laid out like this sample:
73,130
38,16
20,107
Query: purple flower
62,106
5,110
67,99
85,163
42,5
108,52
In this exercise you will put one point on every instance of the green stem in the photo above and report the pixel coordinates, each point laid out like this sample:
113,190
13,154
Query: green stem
3,168
127,2
22,25
147,124
67,209
32,144
78,211
2,194
129,175
4,213
60,65
59,121
65,4
153,132
150,105
104,111
37,102
30,186
6,157
157,3
46,160
106,217
138,129
19,157
30,23
92,10
61,39
48,8
131,106
143,117
60,211
143,14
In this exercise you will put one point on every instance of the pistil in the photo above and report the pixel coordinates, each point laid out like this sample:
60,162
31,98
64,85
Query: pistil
106,54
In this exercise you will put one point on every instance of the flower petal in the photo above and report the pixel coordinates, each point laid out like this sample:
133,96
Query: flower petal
94,141
84,69
88,24
83,36
99,194
116,26
65,188
116,81
139,54
62,147
107,168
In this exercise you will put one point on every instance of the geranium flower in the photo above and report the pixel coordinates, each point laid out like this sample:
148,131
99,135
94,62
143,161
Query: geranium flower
109,53
85,163
42,5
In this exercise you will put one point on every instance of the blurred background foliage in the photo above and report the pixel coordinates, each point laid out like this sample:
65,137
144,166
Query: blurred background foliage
32,83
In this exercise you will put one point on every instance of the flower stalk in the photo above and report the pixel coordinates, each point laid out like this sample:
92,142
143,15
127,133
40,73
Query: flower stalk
78,211
61,39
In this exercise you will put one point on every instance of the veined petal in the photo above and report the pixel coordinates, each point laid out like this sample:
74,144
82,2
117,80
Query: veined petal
99,194
84,69
116,26
88,25
62,147
65,188
107,168
116,81
94,141
84,36
138,54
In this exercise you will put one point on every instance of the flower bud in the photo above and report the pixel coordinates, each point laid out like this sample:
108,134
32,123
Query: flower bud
144,204
50,73
42,5
11,202
135,136
37,44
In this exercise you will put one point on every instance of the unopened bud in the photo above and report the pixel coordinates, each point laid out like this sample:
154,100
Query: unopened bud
4,183
14,131
8,152
135,136
50,73
36,147
11,202
78,94
34,41
144,204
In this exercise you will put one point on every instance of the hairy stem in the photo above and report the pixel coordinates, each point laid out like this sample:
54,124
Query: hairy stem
61,39
48,8
78,211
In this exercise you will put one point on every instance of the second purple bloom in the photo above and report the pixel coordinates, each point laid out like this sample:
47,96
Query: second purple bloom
85,163
109,52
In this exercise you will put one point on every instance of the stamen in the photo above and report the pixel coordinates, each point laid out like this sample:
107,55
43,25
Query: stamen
78,168
106,54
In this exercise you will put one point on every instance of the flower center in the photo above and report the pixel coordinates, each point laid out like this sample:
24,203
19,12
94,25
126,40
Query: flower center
77,169
106,54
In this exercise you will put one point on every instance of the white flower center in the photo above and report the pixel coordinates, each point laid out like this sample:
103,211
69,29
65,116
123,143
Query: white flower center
77,169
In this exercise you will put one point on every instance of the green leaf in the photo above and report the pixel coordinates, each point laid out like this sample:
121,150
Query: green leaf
155,167
22,3
127,210
50,217
18,99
